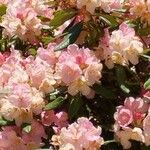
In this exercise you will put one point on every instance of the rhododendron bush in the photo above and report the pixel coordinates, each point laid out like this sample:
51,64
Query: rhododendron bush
74,74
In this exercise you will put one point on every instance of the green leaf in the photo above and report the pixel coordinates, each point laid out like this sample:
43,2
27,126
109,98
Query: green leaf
53,97
121,78
144,31
47,40
146,147
3,122
74,106
71,37
62,16
125,89
32,51
110,20
2,10
146,57
146,50
54,104
104,92
147,84
120,74
27,129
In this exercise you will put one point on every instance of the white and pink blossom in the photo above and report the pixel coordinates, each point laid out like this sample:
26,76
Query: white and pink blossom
81,135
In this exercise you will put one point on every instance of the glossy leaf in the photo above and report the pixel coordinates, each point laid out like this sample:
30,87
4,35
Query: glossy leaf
147,84
3,122
121,78
71,37
32,51
62,16
74,106
125,89
110,20
104,92
54,104
47,40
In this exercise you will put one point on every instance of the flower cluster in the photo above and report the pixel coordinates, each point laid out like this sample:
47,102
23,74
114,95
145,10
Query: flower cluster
121,47
19,101
140,8
79,69
13,137
58,119
78,136
106,5
21,18
65,65
76,68
132,121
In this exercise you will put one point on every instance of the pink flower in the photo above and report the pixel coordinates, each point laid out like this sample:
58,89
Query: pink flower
35,135
81,56
41,76
5,74
93,73
146,128
12,73
2,59
17,21
140,8
90,5
122,47
19,75
79,69
27,61
21,101
13,137
10,140
70,72
36,73
21,18
79,85
81,135
48,55
4,1
126,30
59,119
105,39
147,95
133,111
11,69
41,7
109,5
123,116
20,96
136,105
124,136
14,57
48,117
